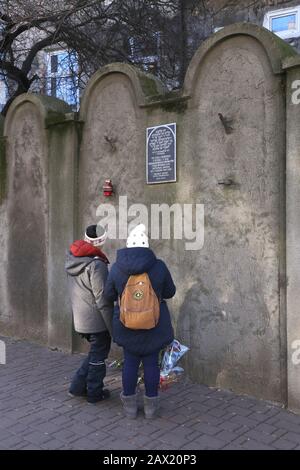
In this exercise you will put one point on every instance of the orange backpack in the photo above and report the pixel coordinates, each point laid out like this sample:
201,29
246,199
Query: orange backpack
139,305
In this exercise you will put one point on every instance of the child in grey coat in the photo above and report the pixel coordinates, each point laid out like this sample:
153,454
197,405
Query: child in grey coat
86,266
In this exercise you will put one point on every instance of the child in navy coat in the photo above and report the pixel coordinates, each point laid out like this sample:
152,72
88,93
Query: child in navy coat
141,345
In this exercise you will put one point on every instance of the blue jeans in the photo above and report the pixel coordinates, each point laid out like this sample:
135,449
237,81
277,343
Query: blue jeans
88,380
130,373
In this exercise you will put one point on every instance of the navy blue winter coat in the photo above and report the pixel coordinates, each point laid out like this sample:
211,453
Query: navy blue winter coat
137,261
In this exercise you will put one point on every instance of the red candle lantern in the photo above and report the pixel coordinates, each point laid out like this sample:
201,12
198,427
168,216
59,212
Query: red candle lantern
107,188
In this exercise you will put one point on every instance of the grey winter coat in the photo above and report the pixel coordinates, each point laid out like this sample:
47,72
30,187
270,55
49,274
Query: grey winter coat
87,275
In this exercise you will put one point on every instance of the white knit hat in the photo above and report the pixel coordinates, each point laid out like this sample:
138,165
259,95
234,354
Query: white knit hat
138,237
95,235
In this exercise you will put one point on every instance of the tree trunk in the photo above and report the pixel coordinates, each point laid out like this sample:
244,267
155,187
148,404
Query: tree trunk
183,41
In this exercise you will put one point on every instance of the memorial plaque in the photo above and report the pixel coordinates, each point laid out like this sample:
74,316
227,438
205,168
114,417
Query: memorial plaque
161,154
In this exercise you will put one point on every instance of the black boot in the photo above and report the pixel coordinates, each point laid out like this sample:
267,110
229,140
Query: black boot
95,390
103,396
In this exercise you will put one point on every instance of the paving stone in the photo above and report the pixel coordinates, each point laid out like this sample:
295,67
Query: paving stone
173,439
227,436
98,436
179,418
5,434
163,446
209,419
243,403
53,444
254,445
289,426
233,447
36,437
267,428
206,429
62,421
12,442
30,419
239,410
65,435
288,417
230,426
120,432
208,442
140,441
189,446
120,444
293,437
31,447
279,433
212,402
259,417
36,413
245,421
283,444
83,417
6,423
152,445
84,444
81,429
260,436
218,412
18,429
48,428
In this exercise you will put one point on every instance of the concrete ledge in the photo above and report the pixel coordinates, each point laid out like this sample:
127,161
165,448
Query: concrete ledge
46,105
276,49
144,85
290,62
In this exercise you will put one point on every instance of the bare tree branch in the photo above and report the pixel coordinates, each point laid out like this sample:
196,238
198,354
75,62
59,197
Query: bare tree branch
162,33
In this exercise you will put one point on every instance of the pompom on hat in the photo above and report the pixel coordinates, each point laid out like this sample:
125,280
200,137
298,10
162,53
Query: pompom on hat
138,237
95,235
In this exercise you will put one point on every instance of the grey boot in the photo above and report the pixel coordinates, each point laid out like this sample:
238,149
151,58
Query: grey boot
130,405
151,406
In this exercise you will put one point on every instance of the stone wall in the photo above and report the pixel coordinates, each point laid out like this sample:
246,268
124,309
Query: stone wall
25,218
231,306
237,316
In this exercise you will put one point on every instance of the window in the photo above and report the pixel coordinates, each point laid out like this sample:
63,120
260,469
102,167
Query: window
285,23
3,94
62,77
146,53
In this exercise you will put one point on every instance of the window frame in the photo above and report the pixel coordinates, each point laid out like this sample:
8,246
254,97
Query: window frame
3,93
288,33
55,75
149,63
218,28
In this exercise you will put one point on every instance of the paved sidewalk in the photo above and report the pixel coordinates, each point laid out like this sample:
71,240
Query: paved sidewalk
37,413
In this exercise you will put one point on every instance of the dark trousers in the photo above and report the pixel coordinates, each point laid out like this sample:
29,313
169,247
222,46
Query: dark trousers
88,380
130,373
